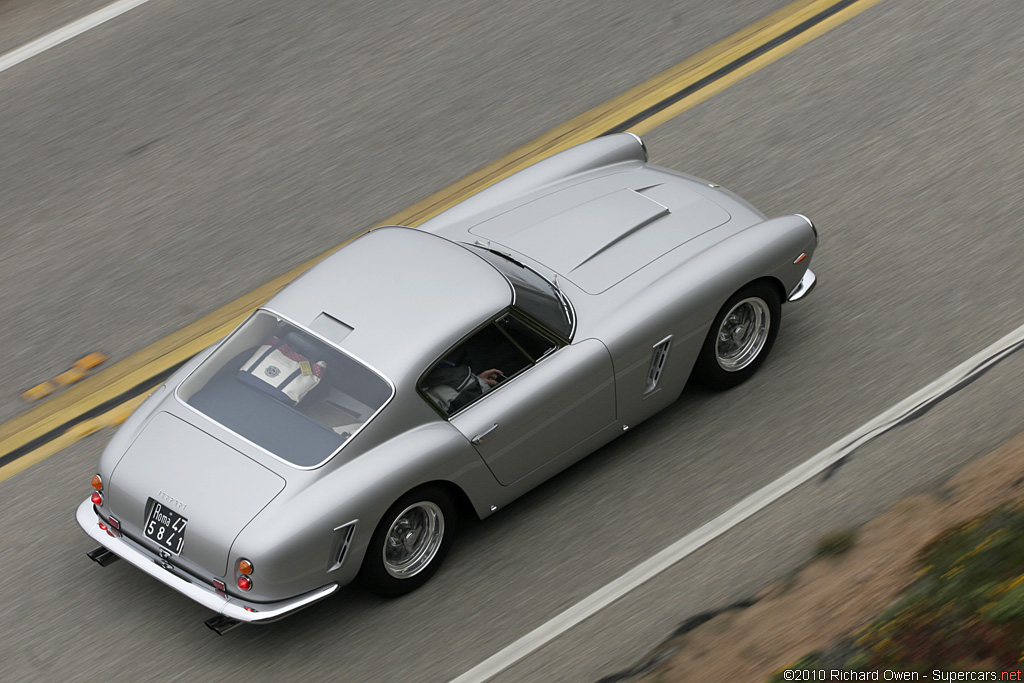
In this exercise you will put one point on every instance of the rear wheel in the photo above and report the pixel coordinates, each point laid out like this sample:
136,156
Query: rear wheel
740,337
409,543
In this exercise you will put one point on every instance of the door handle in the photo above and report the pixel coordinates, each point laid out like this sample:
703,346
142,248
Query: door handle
478,439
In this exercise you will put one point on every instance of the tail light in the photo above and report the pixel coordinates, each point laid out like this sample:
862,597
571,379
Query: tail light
97,496
244,571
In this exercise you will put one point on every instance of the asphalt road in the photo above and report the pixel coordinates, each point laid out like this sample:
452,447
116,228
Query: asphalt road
181,155
156,168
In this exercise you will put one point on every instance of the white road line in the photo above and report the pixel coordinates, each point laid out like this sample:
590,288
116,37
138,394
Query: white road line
733,516
91,21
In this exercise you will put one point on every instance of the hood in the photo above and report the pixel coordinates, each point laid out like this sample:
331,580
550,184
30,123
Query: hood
213,486
596,238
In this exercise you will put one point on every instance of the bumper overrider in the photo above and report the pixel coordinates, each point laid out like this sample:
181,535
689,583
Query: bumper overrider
228,607
804,287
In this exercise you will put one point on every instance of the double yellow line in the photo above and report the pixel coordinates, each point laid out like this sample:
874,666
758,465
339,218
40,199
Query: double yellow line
110,395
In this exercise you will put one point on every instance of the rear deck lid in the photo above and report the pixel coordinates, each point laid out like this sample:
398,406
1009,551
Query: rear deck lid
214,487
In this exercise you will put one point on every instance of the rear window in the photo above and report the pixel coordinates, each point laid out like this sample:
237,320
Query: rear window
285,390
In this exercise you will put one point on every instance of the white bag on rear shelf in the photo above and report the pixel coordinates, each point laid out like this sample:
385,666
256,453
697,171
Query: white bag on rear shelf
282,371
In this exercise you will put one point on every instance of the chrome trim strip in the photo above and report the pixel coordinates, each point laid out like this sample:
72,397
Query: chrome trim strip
333,345
810,223
568,302
232,607
804,287
642,144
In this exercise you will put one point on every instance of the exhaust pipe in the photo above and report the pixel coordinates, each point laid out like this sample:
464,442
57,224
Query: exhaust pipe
222,624
102,556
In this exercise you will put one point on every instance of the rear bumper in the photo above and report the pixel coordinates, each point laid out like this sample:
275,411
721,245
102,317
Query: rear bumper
232,607
804,287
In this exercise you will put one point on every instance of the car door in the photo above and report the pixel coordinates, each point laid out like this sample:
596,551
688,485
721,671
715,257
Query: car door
552,399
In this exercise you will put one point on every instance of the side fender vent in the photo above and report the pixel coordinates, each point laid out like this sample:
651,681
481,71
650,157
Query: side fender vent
345,534
659,354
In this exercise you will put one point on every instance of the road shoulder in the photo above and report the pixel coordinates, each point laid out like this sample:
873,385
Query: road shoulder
833,596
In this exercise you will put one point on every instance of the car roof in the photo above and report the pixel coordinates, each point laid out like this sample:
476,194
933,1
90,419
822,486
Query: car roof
396,298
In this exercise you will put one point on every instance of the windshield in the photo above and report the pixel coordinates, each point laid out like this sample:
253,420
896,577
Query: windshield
285,390
533,292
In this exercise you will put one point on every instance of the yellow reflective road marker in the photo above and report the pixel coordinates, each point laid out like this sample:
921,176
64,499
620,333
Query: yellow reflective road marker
79,369
39,391
640,109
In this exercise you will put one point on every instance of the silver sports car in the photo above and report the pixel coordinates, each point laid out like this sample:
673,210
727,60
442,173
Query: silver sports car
421,373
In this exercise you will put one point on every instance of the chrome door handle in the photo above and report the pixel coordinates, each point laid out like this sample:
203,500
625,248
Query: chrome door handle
478,439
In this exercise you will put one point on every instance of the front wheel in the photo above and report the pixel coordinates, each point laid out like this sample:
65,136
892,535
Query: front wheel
409,543
740,337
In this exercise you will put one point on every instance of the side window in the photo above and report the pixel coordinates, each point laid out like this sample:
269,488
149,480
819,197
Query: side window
533,343
493,355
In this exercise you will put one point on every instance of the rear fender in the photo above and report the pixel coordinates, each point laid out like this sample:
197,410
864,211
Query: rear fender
299,535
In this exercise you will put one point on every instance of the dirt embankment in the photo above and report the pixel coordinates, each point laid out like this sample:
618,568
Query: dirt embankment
833,596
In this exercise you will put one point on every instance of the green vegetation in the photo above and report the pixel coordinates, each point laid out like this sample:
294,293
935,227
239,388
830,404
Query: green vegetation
964,610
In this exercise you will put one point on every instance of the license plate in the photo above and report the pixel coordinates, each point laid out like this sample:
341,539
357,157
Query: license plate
165,527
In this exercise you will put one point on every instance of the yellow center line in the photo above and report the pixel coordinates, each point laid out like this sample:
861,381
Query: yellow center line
106,386
111,418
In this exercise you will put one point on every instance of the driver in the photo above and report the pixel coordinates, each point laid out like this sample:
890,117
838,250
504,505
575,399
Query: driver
453,387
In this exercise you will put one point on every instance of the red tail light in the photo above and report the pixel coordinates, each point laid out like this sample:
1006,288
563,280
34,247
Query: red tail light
244,582
96,498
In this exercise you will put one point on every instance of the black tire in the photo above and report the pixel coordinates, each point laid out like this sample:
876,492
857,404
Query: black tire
740,338
392,569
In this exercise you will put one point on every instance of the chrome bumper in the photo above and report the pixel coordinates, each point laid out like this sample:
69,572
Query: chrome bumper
804,287
207,596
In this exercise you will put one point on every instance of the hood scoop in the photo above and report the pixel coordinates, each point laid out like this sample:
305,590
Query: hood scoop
571,238
603,236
